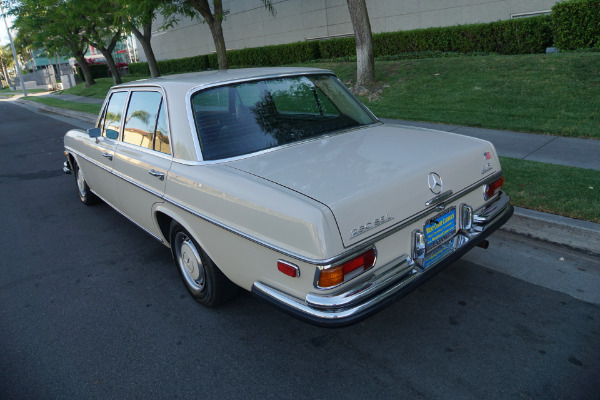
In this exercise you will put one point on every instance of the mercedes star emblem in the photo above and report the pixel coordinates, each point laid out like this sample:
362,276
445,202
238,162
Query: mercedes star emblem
435,183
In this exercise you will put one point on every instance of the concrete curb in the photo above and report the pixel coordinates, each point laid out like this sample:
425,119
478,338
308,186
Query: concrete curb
578,235
84,116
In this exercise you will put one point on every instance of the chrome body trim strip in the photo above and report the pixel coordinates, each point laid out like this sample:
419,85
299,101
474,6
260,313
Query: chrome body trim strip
383,285
357,248
117,174
439,198
125,215
345,255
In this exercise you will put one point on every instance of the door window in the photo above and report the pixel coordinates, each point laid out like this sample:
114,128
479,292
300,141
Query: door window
114,111
140,121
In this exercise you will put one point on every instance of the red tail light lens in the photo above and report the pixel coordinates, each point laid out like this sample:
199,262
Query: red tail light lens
340,273
493,188
288,268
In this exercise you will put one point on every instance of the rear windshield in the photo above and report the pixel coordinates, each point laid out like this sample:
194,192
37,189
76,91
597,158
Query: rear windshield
242,118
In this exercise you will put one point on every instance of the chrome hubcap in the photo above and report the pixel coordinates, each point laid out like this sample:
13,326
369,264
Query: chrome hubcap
189,261
81,183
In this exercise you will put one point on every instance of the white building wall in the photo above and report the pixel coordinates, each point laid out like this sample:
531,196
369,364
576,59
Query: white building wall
250,25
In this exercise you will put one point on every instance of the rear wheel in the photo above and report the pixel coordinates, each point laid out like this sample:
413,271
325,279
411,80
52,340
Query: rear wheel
202,278
85,194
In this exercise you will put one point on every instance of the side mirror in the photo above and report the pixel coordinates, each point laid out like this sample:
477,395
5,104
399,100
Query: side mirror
94,132
112,134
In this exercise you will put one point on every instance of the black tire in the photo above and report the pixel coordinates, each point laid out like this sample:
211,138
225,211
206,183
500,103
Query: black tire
202,278
85,194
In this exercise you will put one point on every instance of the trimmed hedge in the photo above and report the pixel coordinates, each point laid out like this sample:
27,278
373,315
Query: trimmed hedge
576,24
97,71
517,36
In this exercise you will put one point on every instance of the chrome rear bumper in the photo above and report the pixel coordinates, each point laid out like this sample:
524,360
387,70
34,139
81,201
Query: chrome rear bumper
390,282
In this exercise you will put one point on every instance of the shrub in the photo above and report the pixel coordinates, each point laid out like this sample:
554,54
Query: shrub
99,70
576,24
518,36
139,68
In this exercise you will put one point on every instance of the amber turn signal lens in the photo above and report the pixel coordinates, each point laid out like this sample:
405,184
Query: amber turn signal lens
331,277
338,274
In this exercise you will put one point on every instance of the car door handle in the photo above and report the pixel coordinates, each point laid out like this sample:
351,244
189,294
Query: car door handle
159,175
108,155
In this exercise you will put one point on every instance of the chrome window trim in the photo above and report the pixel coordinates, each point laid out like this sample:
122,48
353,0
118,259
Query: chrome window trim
123,214
225,82
136,88
146,150
271,149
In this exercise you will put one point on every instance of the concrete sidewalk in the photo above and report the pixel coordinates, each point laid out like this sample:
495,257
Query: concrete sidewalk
572,152
584,153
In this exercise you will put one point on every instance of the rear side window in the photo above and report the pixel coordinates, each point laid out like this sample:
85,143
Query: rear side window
114,111
140,121
161,140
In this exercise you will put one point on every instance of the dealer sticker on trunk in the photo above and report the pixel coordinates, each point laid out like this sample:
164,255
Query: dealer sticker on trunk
440,228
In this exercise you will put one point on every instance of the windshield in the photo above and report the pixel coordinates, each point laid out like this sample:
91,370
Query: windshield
242,118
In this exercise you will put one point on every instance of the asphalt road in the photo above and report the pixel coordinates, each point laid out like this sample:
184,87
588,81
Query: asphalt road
91,307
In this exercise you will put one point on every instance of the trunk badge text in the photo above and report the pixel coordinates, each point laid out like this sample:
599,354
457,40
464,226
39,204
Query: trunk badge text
370,225
435,183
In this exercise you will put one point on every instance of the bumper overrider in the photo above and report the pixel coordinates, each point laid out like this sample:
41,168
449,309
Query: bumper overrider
389,282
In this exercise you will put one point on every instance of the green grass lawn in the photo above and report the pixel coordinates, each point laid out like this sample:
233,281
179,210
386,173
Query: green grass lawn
556,189
98,90
555,93
85,107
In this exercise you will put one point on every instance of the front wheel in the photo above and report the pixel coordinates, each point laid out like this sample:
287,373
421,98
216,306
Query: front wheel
85,194
205,282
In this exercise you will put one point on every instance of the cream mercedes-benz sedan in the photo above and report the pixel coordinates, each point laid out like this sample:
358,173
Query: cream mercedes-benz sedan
281,182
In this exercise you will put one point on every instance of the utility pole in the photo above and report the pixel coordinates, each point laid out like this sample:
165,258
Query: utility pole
12,45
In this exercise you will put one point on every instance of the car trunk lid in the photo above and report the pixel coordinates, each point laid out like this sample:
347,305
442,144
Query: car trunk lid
375,177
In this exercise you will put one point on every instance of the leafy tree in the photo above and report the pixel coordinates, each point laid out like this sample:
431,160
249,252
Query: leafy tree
137,18
213,17
6,59
365,57
102,29
53,25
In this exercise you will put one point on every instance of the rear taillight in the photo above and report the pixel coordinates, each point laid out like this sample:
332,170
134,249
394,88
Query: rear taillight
343,272
491,189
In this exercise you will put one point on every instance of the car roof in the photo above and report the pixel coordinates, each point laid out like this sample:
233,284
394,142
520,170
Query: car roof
195,79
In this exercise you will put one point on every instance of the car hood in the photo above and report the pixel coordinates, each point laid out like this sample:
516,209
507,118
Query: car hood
377,174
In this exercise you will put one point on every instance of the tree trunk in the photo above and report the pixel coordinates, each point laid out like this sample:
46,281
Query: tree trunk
112,66
147,47
87,75
214,23
365,57
217,34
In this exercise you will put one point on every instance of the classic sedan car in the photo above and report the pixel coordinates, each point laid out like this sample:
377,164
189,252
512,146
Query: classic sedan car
281,182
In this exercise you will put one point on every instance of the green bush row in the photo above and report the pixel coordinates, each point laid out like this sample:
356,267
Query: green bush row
573,24
576,24
97,71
